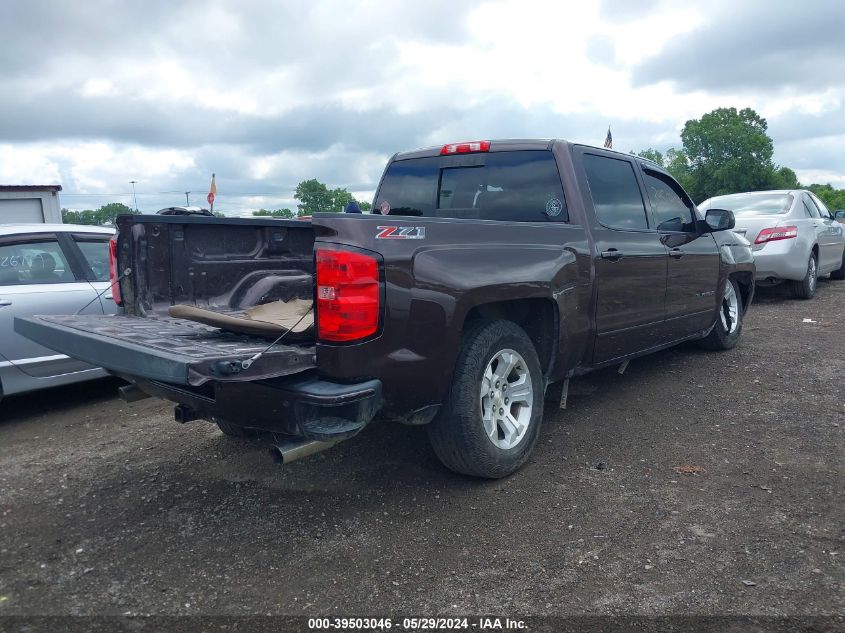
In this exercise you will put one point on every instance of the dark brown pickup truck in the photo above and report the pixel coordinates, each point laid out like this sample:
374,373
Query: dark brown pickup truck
489,271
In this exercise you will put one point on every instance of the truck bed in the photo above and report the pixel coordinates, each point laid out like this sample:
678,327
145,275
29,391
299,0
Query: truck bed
166,349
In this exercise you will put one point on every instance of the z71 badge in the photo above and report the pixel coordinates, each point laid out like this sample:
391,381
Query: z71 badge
400,233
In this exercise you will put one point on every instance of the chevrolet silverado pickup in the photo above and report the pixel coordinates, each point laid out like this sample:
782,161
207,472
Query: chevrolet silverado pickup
487,272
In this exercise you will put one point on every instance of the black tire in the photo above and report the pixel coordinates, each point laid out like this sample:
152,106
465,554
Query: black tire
839,274
721,337
457,433
232,430
806,288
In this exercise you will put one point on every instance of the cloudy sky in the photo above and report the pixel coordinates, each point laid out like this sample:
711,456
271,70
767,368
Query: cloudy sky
98,93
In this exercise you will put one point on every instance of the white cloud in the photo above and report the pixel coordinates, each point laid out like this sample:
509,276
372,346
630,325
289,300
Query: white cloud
821,177
97,87
118,90
27,166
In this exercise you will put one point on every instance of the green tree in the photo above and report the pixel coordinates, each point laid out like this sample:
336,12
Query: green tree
78,217
106,214
314,197
784,178
676,163
727,151
275,213
651,154
833,198
340,198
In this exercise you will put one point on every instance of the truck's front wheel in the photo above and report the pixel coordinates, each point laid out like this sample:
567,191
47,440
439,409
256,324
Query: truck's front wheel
491,418
728,328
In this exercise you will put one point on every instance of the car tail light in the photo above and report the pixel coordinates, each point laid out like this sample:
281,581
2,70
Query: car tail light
776,233
347,295
468,147
113,278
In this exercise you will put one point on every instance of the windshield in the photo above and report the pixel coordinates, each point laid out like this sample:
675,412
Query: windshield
751,203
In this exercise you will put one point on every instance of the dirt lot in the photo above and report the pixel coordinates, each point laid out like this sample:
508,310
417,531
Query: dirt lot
112,508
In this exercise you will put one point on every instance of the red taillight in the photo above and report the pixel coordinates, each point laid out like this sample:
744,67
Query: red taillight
466,148
776,233
347,295
115,285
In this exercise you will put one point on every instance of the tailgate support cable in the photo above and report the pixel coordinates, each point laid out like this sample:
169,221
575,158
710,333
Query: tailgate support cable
128,271
246,364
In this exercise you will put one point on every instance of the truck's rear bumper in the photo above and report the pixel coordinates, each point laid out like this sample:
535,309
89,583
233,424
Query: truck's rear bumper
302,405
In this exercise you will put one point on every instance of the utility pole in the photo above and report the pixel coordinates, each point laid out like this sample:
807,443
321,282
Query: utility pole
134,196
187,201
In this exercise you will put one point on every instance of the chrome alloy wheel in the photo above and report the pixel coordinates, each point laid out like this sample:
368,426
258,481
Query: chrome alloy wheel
812,275
507,397
730,309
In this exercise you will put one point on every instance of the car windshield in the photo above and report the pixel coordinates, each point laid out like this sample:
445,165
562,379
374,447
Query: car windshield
752,203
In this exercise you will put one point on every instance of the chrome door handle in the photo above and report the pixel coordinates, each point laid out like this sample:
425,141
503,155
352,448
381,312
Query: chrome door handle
5,302
677,253
612,254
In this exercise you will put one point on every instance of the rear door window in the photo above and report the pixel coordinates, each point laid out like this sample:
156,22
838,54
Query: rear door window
811,207
33,262
95,252
409,188
518,186
615,191
824,212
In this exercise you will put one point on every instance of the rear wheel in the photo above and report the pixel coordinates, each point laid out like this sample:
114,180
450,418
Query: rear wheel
806,288
725,334
491,418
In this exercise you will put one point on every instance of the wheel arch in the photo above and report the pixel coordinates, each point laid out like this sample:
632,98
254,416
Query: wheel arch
537,316
745,281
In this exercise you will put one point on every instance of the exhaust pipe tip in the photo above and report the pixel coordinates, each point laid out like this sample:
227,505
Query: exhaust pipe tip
276,455
287,452
131,393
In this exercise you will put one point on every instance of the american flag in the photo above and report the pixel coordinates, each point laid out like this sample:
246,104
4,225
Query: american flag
608,142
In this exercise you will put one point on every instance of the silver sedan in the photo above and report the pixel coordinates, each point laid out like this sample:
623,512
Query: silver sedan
793,235
49,269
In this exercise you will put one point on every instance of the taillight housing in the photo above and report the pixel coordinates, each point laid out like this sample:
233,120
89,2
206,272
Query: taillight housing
776,233
348,295
468,147
113,276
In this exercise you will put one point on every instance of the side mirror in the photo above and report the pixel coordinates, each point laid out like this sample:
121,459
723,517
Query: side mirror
719,219
839,215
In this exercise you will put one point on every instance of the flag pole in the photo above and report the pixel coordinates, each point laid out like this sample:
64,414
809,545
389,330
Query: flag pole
212,192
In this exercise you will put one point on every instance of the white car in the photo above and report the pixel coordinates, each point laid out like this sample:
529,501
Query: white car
793,235
49,269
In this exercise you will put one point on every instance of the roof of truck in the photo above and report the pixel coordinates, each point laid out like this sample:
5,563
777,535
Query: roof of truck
511,144
495,145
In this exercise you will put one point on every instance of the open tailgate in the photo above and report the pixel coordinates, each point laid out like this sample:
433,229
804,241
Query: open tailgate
166,349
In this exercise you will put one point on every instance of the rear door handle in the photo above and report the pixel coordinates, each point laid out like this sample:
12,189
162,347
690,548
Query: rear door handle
612,254
5,302
677,253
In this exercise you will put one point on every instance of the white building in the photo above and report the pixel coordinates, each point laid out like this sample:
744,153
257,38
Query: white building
30,203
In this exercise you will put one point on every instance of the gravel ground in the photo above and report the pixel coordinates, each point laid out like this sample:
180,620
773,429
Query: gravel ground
109,508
